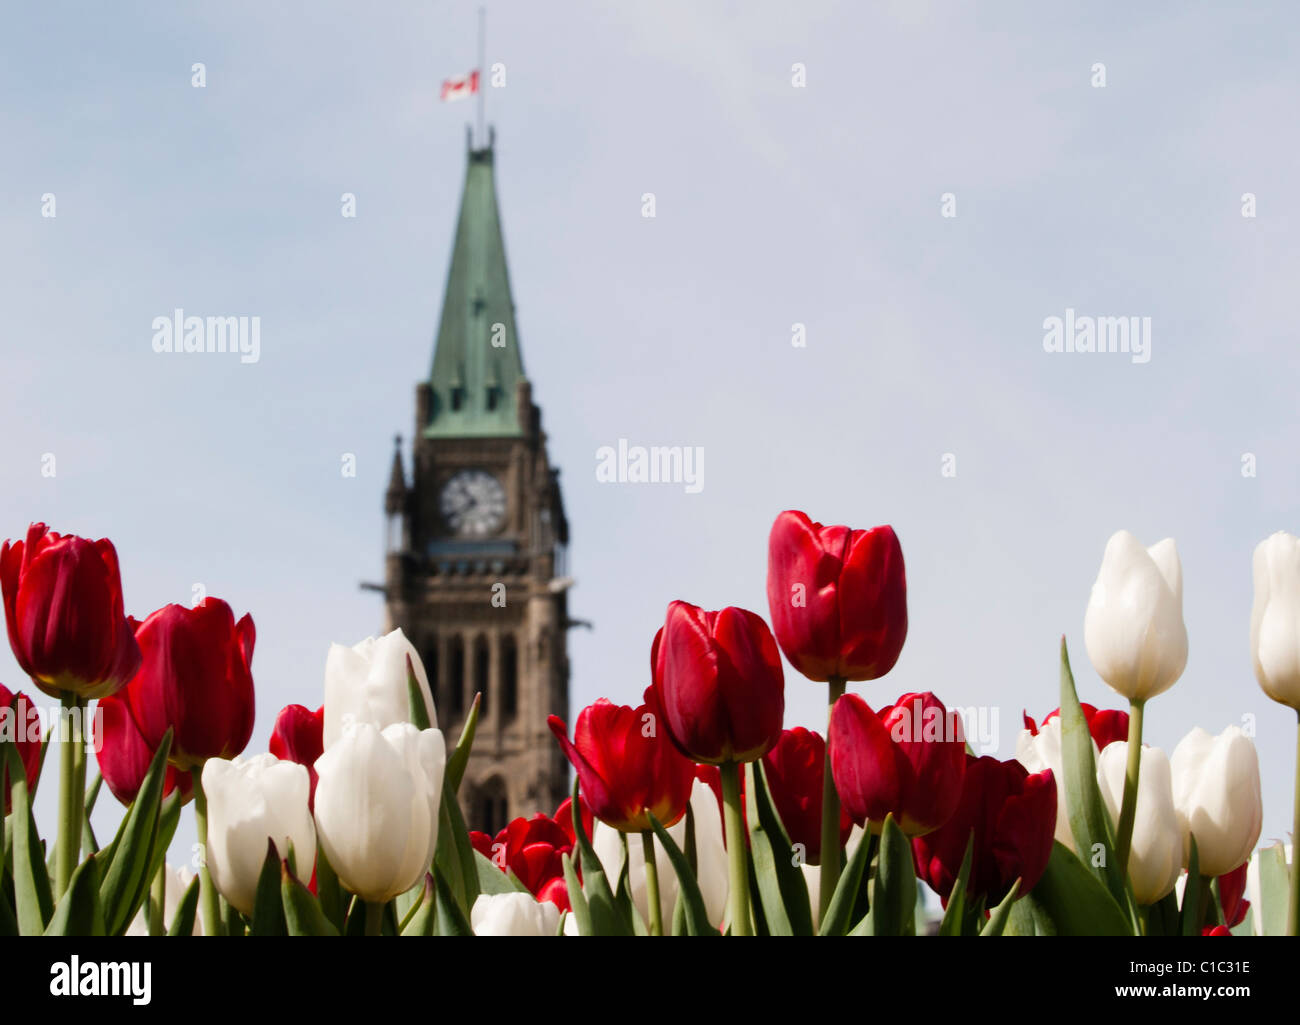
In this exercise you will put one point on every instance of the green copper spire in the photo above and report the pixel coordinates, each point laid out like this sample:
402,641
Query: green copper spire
476,362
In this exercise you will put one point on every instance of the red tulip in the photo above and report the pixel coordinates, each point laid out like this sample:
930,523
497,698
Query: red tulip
124,754
195,677
564,818
838,597
63,605
795,768
1216,930
557,892
482,843
909,759
1232,890
299,736
20,724
1013,815
1106,725
626,765
719,677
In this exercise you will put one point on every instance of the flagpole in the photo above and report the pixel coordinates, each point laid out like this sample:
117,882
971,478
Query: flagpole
482,72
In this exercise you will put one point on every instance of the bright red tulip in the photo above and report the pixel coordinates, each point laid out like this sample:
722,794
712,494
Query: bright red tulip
195,677
557,892
795,768
1106,725
564,818
1013,815
532,849
909,759
299,736
720,681
20,724
124,754
1216,930
482,843
626,764
63,605
838,597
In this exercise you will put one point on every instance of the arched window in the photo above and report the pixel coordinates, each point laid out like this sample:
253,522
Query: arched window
509,678
456,677
482,663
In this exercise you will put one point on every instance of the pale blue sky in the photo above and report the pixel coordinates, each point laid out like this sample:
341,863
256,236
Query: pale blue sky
775,205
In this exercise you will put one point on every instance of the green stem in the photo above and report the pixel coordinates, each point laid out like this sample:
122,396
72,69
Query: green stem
72,794
1293,915
157,902
652,883
830,852
736,862
374,919
1128,809
212,924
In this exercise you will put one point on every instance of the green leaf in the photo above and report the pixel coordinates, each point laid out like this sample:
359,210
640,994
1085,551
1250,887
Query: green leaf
92,792
302,914
781,888
1162,917
329,894
577,899
1069,900
451,921
186,910
893,901
1190,917
1274,890
459,756
33,902
997,922
454,856
424,917
127,875
623,889
268,904
8,922
78,912
1021,920
1089,821
169,817
605,917
415,698
492,880
836,920
956,910
696,914
89,843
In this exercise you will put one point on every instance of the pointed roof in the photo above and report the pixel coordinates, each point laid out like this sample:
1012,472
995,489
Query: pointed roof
396,480
477,364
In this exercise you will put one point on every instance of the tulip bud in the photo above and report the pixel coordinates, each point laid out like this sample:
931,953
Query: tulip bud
838,597
1155,858
63,605
720,683
195,676
907,760
513,914
795,769
251,801
1134,628
1275,618
377,801
298,737
1217,795
626,764
176,881
368,683
20,726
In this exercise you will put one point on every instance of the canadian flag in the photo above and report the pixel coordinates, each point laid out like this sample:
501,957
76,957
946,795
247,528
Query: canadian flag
460,88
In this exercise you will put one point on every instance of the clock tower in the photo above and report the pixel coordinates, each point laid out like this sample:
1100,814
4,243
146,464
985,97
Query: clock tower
476,541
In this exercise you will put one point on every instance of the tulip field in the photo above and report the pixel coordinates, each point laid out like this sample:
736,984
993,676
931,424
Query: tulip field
694,810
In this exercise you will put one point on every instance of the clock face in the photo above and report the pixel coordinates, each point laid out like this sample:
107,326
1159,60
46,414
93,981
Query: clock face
473,503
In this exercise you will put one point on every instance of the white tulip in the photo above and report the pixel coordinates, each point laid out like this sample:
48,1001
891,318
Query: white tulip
1275,618
1217,794
513,914
1040,751
367,683
1155,858
1133,628
377,802
176,882
251,801
710,854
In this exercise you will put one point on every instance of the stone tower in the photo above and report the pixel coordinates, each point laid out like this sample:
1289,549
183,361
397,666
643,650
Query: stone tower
476,540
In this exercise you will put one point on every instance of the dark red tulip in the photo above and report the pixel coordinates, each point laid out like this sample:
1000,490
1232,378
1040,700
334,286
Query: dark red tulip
720,681
1216,930
838,597
795,768
124,754
1106,725
195,677
299,736
20,724
1232,891
482,843
1013,815
909,759
564,818
626,764
63,606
